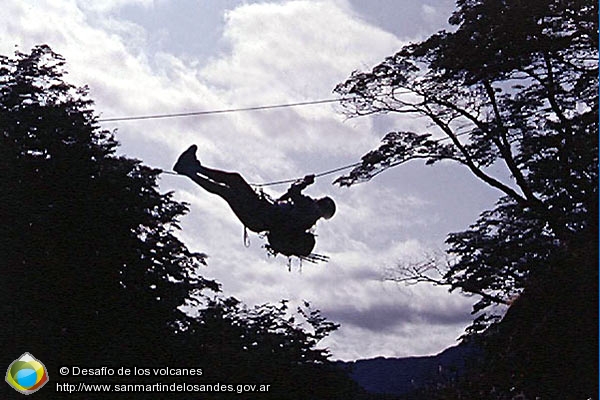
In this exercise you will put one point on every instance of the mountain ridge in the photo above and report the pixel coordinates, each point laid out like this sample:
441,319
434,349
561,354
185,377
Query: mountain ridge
401,376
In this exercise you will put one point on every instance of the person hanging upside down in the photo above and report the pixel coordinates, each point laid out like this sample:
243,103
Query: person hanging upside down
286,221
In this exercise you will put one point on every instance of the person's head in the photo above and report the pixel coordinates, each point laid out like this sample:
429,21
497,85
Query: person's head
326,206
298,244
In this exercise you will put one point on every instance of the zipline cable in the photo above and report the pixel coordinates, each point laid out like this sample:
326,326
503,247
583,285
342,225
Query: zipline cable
318,175
223,111
255,108
332,171
239,109
232,110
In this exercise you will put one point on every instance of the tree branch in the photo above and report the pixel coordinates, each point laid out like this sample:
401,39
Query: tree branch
471,165
421,273
502,144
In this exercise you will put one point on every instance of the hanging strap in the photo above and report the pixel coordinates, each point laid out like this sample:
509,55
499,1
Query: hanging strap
246,238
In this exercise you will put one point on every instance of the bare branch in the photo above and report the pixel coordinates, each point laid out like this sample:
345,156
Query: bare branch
434,271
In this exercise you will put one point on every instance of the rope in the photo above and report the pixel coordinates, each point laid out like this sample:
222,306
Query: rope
239,109
320,174
224,111
333,171
256,108
246,238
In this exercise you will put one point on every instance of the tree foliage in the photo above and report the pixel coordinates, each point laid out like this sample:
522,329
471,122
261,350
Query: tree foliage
514,84
525,98
78,222
93,274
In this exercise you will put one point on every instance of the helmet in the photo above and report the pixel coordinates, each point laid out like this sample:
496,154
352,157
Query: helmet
326,206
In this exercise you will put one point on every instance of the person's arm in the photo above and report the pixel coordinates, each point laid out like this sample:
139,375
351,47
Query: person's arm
294,192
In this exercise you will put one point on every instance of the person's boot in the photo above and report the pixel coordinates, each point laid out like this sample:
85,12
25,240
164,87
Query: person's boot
187,163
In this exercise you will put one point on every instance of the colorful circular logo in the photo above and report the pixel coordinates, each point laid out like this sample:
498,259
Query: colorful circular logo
26,374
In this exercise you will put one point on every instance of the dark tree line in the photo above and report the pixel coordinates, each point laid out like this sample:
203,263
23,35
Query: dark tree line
93,275
514,84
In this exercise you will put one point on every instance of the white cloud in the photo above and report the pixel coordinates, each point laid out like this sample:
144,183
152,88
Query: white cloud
105,6
428,10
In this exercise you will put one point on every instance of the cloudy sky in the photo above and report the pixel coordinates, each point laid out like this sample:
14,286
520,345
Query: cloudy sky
143,57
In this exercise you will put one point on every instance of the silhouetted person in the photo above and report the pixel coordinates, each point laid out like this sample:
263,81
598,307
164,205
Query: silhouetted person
286,220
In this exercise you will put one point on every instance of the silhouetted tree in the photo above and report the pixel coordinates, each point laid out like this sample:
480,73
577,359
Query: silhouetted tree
515,84
92,273
85,234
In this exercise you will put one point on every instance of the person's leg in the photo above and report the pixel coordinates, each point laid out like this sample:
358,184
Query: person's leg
243,200
252,211
232,179
187,164
212,187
